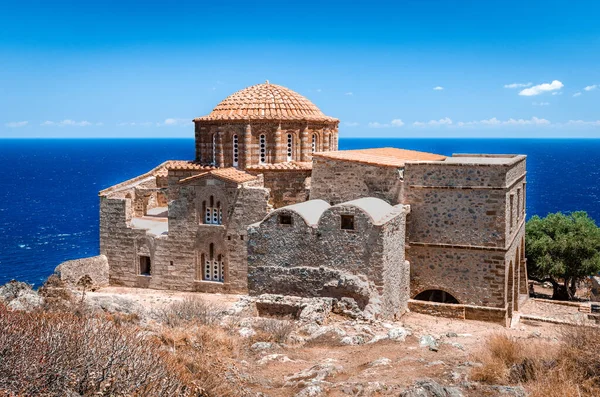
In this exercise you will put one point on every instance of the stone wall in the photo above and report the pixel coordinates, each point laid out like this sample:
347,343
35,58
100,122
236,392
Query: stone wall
95,267
366,264
177,258
474,277
460,234
337,181
287,186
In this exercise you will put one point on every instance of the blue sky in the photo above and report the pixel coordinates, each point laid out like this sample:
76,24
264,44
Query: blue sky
391,69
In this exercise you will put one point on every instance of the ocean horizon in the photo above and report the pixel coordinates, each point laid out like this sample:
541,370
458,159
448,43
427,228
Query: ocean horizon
49,197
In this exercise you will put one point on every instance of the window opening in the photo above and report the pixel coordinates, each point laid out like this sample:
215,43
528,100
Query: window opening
347,222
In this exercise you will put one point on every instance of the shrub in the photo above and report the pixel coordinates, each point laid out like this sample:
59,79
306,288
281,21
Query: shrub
57,354
570,369
190,309
274,330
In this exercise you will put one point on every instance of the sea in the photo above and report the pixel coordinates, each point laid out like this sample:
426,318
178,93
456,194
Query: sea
49,191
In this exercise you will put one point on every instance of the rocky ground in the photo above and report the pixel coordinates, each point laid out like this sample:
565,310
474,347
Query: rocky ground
329,349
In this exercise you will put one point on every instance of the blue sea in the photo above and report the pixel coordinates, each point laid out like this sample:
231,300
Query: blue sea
49,191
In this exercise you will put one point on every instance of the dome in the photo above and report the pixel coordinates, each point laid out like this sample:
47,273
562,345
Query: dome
266,102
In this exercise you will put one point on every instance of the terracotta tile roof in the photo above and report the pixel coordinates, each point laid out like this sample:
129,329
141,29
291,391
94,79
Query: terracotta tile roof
266,102
292,165
162,172
228,174
389,157
186,165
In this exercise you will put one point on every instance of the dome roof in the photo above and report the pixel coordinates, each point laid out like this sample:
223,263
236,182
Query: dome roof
266,102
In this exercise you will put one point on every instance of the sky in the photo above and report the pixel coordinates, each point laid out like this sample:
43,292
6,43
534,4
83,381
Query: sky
386,69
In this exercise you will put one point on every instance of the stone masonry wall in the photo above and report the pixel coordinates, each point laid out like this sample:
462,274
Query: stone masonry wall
338,181
459,229
366,264
287,186
176,257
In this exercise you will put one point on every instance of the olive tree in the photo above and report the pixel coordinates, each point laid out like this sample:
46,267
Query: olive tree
562,249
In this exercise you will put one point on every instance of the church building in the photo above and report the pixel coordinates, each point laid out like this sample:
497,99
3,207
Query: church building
270,205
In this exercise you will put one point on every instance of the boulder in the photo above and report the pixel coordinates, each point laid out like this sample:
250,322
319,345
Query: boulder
73,272
430,388
20,296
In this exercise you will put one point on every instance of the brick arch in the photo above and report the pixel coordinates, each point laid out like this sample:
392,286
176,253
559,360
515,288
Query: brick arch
449,291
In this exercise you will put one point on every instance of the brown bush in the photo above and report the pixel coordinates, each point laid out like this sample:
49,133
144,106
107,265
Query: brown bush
190,309
570,369
210,355
57,354
270,329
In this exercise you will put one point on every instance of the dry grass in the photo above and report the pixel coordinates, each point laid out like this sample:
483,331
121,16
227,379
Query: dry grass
571,368
56,354
273,330
190,309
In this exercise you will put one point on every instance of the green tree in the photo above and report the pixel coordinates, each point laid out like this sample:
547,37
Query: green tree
562,249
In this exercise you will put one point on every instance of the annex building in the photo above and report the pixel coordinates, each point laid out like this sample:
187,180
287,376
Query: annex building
270,205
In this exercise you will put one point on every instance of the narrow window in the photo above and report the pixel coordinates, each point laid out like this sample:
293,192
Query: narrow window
199,274
347,222
214,267
214,149
518,204
171,263
236,152
511,211
263,149
213,215
314,143
285,219
145,265
289,147
523,206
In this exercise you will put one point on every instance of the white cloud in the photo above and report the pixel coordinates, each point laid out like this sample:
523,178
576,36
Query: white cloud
495,122
433,123
17,124
134,124
577,94
319,90
517,85
541,88
176,122
393,123
351,124
557,93
532,121
349,93
591,87
541,103
68,123
438,88
584,123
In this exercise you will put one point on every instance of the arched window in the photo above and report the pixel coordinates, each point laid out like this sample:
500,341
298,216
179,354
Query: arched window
214,149
290,147
314,143
263,149
213,215
236,152
436,295
214,268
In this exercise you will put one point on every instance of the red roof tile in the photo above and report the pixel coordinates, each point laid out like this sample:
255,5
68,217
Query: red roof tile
388,157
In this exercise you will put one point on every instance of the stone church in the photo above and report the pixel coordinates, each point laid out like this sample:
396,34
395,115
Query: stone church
270,205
